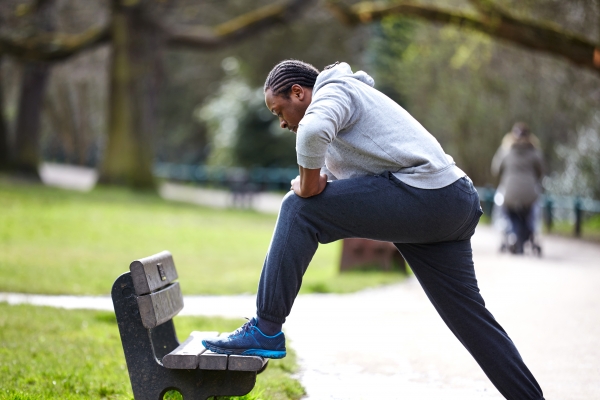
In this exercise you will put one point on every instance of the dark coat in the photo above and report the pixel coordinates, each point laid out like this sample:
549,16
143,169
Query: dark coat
519,164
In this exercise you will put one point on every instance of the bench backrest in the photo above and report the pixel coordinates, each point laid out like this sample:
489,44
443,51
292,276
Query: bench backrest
159,298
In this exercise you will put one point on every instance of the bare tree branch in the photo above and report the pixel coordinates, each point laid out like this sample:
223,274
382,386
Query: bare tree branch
57,47
485,6
253,22
494,22
53,47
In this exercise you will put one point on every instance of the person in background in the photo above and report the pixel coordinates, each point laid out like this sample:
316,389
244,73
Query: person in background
369,170
519,163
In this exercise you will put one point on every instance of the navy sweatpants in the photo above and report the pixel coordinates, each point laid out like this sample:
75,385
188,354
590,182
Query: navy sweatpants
432,230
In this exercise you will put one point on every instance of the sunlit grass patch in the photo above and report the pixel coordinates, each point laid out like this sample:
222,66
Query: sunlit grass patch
48,353
56,241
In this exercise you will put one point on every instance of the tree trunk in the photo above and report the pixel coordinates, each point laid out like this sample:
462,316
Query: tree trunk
34,80
137,44
4,139
132,120
27,133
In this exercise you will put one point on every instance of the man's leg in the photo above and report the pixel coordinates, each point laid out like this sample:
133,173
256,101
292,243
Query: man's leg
382,208
374,207
446,273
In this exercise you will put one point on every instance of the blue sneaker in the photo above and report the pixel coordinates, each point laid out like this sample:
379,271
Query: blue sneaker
248,340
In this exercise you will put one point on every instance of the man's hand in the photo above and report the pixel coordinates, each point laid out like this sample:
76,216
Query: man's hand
309,183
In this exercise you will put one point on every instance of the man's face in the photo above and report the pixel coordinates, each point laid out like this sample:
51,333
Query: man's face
289,110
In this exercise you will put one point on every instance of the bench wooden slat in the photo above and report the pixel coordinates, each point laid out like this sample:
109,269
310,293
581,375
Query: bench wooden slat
245,363
159,307
186,355
152,273
212,361
215,361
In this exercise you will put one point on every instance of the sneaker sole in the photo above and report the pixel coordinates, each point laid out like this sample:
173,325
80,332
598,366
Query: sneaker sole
246,352
265,353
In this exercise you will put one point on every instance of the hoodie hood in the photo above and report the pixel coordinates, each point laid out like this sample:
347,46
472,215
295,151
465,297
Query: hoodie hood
338,73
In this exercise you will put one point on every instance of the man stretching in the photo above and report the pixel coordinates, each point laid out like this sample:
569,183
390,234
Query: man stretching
368,169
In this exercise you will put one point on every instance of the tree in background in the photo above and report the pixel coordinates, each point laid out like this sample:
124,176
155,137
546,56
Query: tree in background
137,48
581,164
195,78
4,137
243,131
138,35
468,88
27,34
261,142
492,19
390,39
33,85
74,118
455,81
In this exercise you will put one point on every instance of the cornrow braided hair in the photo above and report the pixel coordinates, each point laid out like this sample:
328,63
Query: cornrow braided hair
288,73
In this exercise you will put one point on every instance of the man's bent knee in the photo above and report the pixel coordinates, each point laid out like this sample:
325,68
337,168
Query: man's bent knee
291,201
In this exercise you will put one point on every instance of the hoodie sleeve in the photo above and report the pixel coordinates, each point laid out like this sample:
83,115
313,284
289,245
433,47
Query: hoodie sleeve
329,113
330,176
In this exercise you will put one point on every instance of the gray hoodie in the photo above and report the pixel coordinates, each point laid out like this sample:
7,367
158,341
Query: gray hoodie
351,129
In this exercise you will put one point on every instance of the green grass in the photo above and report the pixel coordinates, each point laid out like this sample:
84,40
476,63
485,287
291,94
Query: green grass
56,241
590,228
48,353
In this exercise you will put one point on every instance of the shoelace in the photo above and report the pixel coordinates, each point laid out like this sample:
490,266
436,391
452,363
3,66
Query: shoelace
243,330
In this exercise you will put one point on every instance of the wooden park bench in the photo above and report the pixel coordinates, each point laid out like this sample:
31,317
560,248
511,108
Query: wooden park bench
145,301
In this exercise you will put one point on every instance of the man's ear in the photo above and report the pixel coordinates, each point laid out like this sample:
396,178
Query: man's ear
297,91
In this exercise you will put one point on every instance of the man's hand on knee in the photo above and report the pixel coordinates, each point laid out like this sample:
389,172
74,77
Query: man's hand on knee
309,183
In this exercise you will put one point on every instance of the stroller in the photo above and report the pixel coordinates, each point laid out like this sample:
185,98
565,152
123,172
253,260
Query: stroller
520,228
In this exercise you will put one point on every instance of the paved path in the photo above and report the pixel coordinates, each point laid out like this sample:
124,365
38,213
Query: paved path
548,306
